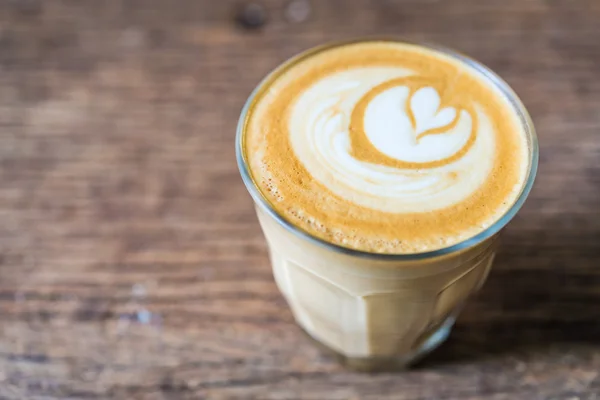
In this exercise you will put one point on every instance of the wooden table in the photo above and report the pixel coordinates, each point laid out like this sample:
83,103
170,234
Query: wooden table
132,265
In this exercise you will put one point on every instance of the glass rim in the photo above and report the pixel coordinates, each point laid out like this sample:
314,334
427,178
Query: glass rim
487,233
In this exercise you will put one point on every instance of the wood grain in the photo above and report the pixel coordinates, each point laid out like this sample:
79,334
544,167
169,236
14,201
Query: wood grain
132,265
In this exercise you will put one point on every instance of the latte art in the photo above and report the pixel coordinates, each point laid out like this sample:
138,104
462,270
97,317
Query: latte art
380,144
385,147
397,122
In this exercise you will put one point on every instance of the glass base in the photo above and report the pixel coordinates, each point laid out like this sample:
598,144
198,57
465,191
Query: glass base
429,342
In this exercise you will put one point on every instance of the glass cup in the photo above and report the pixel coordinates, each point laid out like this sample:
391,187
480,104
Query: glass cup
372,310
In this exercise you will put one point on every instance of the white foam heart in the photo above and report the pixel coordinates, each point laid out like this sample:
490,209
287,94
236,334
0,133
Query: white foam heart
389,129
424,105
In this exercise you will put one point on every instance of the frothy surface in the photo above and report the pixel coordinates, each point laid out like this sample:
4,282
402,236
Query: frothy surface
385,147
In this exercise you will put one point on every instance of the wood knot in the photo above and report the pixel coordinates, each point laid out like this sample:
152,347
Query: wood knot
251,16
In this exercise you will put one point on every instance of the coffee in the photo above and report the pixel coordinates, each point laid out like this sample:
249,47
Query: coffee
386,147
382,172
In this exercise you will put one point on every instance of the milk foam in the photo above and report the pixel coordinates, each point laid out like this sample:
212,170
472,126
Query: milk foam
385,147
319,132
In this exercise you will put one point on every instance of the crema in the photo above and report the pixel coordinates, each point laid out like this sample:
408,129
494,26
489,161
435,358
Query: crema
385,147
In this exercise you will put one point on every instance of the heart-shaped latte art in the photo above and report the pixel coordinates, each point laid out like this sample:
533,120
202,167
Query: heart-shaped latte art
403,123
425,108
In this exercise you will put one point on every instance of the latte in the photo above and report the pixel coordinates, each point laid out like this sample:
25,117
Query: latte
385,147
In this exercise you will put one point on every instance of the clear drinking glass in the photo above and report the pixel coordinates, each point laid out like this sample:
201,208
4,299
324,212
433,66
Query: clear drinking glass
378,310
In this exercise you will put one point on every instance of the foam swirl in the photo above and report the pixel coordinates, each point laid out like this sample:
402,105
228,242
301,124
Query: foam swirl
386,147
379,143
